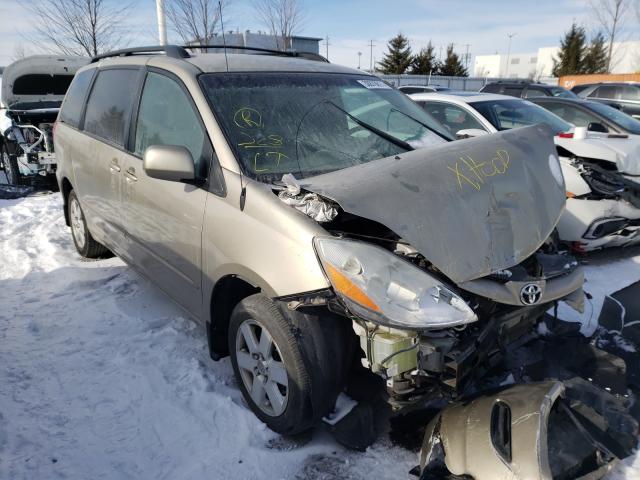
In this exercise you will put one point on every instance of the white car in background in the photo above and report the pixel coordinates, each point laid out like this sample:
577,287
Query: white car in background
602,174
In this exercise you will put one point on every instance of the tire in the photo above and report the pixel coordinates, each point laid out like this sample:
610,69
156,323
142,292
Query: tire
307,373
11,170
82,239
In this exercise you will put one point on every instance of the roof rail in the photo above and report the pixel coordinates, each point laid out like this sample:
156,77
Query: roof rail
172,51
284,53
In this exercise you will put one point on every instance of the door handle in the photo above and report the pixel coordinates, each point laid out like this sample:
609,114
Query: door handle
114,166
131,174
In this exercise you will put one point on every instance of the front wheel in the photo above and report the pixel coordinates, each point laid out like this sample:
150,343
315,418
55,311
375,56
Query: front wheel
82,239
11,170
286,384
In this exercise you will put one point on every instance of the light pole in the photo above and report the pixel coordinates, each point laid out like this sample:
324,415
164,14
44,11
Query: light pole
359,57
162,30
510,35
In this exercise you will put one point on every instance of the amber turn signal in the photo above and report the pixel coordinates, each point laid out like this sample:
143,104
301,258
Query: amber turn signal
349,289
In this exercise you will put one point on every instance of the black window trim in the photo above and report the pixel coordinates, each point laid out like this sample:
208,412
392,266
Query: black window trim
83,106
217,187
106,141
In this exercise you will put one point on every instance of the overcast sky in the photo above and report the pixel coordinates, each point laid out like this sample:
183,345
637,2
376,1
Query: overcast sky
350,25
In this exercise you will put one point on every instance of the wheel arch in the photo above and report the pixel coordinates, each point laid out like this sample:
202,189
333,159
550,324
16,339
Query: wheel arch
65,189
226,294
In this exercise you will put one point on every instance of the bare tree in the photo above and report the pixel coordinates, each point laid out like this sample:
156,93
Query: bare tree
611,15
79,27
195,20
281,17
20,51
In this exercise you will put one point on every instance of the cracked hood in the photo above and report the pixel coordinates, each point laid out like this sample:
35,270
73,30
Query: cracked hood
471,207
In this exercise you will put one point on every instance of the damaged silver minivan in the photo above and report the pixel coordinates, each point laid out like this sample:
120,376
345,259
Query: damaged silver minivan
321,224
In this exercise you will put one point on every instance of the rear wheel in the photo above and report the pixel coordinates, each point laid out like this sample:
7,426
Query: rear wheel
82,239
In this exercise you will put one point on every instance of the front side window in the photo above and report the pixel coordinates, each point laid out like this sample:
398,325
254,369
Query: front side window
562,93
166,117
312,123
573,115
626,122
630,93
507,114
451,116
109,105
74,100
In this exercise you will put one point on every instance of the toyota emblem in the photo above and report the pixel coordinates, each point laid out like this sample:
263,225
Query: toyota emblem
530,294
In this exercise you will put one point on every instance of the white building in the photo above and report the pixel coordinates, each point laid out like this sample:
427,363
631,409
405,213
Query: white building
626,59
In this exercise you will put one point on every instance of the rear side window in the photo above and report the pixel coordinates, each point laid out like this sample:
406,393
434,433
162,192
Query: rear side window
606,91
513,91
166,117
491,88
410,90
73,102
109,104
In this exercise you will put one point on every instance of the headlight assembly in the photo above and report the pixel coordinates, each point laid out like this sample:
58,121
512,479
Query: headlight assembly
383,288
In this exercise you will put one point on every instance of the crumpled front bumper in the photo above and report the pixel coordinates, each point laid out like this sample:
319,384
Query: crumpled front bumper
582,218
526,431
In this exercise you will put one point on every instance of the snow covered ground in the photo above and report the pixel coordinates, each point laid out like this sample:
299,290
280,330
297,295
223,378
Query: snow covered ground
102,377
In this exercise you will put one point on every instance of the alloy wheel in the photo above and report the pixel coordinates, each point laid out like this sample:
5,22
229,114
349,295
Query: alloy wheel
77,222
262,368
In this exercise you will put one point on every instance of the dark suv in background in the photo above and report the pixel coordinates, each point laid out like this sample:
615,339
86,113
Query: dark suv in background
623,96
522,89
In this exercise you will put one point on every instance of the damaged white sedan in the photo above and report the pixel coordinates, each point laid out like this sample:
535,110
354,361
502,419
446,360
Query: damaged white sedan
602,172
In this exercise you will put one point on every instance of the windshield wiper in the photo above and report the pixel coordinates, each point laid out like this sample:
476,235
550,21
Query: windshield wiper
377,131
431,129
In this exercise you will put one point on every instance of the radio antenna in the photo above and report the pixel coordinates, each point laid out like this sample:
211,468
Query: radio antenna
224,40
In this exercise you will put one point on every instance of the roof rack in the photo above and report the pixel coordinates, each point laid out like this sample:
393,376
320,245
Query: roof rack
176,51
284,53
172,51
521,82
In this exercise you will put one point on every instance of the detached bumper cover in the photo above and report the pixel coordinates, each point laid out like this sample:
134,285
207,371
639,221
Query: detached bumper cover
525,431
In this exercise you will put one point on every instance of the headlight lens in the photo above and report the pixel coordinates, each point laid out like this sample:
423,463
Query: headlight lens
381,287
556,170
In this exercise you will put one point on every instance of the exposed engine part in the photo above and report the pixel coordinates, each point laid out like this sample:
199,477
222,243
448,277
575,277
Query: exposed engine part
389,351
311,204
607,183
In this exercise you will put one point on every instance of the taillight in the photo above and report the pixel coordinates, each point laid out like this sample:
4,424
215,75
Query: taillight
566,135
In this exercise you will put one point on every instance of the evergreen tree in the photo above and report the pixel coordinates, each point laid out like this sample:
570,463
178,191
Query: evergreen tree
399,57
452,65
595,60
572,52
425,62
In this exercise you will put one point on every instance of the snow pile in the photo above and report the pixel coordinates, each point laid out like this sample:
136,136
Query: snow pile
101,376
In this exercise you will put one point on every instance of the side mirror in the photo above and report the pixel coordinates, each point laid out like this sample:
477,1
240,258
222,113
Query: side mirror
597,127
169,162
470,133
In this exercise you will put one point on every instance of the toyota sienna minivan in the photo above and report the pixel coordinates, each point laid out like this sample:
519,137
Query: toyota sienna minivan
322,226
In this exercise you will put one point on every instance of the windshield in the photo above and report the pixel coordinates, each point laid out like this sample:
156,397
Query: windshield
621,119
562,93
507,114
312,123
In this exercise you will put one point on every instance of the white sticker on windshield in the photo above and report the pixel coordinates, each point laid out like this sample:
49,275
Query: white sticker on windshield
373,84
